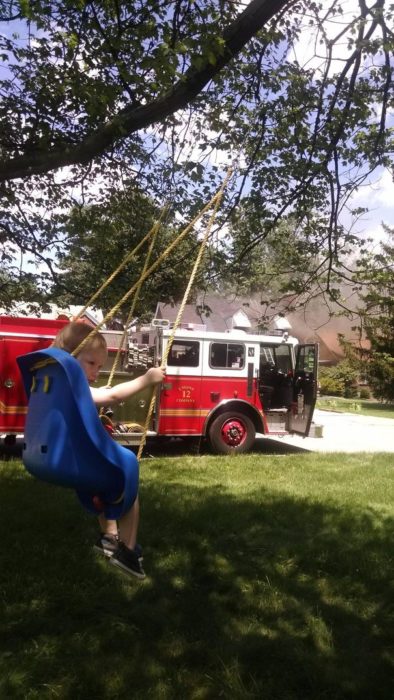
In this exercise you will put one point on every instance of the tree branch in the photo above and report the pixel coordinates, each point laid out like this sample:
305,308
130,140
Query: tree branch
132,119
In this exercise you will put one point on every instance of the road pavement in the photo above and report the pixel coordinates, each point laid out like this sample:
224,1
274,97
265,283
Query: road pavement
346,432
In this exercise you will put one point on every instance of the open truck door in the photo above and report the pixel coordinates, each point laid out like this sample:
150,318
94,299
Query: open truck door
304,388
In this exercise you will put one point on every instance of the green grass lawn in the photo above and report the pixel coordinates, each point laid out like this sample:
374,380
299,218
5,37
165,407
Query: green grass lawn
269,577
363,408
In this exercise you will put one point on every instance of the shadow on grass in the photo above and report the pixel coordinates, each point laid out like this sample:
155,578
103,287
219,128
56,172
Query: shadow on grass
257,597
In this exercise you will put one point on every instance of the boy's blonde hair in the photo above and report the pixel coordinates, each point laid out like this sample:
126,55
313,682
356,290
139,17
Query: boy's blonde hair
72,335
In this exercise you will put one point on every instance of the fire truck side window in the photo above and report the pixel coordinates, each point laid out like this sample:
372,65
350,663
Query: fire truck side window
227,356
184,353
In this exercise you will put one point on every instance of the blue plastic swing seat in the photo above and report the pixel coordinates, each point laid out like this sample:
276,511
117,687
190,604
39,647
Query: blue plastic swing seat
65,441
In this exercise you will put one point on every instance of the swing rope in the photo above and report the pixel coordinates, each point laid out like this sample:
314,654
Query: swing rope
134,302
149,271
217,201
151,233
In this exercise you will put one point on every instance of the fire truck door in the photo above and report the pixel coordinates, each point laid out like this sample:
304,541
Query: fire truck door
304,388
180,400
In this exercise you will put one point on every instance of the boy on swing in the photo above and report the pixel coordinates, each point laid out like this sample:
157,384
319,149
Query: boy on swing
120,545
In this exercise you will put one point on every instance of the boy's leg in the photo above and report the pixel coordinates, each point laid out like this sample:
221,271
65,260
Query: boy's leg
107,527
108,541
128,525
128,555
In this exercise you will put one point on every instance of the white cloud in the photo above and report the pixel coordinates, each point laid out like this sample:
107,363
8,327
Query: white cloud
384,195
377,197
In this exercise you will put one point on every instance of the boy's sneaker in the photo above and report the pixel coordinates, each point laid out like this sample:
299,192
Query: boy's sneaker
106,544
128,560
138,551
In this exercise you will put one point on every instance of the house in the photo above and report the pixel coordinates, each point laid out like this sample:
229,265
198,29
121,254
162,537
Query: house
312,324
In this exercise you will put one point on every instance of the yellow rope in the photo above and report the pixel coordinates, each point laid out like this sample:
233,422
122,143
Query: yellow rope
149,271
152,232
201,251
134,303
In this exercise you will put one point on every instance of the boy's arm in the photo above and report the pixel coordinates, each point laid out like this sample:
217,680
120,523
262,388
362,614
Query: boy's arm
120,392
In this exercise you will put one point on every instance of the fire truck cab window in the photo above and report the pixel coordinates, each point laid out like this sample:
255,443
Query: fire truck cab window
283,358
267,356
275,358
184,353
227,356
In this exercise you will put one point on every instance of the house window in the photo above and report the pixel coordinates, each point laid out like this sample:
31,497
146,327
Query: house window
227,356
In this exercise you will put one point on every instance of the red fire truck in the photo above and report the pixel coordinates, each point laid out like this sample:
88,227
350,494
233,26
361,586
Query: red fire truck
223,387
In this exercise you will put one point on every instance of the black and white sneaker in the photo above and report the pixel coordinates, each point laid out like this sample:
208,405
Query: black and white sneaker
138,551
106,544
128,560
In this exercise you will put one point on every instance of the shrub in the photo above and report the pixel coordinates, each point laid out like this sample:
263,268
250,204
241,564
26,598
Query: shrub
365,393
330,386
340,380
351,391
380,373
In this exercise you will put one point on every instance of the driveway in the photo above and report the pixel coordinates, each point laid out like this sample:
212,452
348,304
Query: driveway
346,432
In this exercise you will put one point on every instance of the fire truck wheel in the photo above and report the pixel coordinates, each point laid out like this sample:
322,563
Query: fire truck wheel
232,432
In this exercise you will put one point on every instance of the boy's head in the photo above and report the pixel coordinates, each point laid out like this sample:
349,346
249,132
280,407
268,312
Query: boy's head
92,355
71,336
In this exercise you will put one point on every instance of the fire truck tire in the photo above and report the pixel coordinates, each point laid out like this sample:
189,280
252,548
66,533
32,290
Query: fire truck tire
232,432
